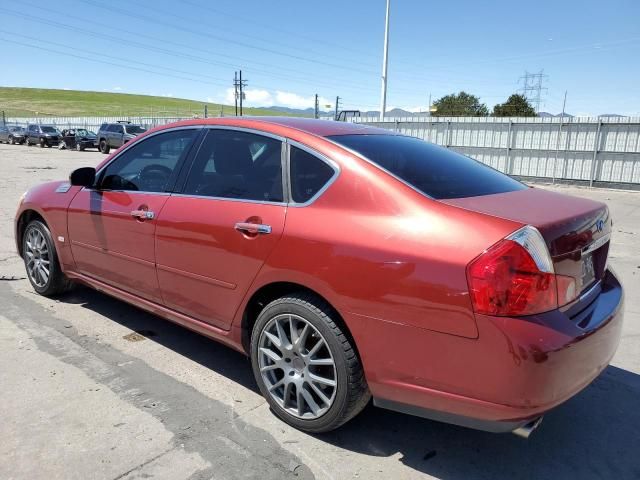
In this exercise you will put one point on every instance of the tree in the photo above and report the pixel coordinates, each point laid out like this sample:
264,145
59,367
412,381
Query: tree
460,105
516,106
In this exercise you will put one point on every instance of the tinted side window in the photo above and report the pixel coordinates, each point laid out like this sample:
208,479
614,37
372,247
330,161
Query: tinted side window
308,175
435,171
241,165
149,165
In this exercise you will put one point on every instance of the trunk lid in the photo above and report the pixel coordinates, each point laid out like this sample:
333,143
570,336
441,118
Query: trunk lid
576,230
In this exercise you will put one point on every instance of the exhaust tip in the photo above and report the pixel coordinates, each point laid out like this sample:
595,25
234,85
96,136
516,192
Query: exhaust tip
526,430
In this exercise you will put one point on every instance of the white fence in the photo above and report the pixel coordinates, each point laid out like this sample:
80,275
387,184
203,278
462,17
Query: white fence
601,151
589,150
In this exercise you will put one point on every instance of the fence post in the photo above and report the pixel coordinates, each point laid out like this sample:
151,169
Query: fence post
596,147
508,165
447,135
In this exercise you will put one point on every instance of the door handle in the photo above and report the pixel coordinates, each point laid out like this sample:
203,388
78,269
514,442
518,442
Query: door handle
142,214
253,228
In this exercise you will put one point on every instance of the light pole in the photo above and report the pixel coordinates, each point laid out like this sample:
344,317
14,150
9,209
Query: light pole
383,94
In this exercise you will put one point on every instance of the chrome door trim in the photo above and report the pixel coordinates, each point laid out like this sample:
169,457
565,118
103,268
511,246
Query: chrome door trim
208,197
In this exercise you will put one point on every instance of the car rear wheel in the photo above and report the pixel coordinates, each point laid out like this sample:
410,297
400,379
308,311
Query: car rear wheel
11,141
42,143
41,261
305,366
104,148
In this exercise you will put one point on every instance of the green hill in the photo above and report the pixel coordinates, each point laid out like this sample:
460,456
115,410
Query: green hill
27,102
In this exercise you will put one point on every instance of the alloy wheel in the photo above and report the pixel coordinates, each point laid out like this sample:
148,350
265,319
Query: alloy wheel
37,258
297,367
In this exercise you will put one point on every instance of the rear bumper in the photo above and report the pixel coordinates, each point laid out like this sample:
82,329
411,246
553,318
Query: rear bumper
515,371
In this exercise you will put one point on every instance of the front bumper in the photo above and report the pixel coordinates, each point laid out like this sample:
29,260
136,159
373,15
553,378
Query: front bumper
515,371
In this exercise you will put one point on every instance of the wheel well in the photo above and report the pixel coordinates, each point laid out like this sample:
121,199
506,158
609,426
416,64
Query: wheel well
268,293
24,220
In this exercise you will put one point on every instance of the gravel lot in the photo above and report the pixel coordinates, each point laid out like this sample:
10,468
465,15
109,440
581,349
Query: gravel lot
80,400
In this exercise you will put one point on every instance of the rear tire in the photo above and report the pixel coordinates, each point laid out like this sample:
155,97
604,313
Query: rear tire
41,261
104,148
11,141
318,394
42,143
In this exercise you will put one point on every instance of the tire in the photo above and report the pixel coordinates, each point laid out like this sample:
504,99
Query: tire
104,147
42,143
343,391
11,141
38,246
26,142
79,147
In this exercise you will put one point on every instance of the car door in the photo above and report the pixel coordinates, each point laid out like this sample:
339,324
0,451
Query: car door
213,237
116,135
111,227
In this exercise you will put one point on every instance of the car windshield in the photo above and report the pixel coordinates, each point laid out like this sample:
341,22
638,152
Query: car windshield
436,171
85,133
134,129
46,129
16,129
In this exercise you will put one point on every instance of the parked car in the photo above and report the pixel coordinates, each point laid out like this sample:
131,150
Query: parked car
42,135
11,134
114,135
347,262
78,138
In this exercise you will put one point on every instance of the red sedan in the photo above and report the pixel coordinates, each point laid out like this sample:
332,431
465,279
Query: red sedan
348,262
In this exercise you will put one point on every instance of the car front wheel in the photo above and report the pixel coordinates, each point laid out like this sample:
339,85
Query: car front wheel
41,261
305,365
42,143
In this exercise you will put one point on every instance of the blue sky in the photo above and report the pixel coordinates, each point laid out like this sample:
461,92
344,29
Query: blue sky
290,50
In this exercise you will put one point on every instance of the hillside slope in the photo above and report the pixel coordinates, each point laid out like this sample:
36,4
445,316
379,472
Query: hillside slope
27,102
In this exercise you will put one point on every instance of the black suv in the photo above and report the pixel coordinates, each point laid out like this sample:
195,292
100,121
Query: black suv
43,135
114,135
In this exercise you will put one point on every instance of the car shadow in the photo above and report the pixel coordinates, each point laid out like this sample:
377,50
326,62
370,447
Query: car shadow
594,435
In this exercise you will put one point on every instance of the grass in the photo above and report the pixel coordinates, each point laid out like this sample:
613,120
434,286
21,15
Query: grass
43,102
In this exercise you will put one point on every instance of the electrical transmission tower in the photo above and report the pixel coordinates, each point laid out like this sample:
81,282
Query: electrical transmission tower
532,87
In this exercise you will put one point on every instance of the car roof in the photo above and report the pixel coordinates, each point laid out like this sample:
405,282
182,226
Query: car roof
321,128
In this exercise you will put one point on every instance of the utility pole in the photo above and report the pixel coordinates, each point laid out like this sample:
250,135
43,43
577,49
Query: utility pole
385,58
532,87
317,108
235,90
241,94
429,107
337,106
555,159
205,110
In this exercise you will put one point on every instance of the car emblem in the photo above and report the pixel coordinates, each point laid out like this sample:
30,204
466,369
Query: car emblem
599,225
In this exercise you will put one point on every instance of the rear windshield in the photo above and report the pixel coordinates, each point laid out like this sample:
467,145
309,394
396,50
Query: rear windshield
135,129
436,171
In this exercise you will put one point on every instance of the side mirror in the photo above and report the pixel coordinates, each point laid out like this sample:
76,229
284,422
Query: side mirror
83,177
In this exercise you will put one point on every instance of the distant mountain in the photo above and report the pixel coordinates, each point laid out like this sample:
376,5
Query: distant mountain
547,114
299,111
605,115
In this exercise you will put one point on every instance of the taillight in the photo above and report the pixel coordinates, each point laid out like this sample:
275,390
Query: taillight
516,277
